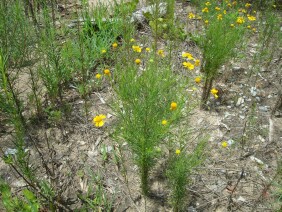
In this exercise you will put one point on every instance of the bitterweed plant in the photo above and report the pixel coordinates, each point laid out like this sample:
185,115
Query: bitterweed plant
149,101
225,27
53,71
179,169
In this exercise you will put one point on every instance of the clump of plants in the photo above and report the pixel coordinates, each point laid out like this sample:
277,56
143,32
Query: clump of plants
149,101
179,169
225,25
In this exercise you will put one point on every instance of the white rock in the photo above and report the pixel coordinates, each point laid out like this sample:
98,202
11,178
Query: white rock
240,101
241,199
263,108
138,16
237,68
242,117
253,91
107,149
256,160
258,99
10,151
261,138
230,142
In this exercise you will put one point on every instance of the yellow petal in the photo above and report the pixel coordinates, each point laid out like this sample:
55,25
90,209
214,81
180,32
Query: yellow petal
102,116
101,123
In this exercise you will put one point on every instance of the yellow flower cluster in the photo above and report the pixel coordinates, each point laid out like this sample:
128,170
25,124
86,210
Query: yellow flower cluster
205,10
240,20
198,79
247,5
187,55
207,3
107,72
251,18
224,144
138,61
137,49
214,92
219,17
114,45
98,76
191,16
188,64
161,53
98,121
164,122
173,106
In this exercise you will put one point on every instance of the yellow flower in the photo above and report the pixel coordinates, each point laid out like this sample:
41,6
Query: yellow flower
132,40
187,55
224,144
240,20
161,52
103,51
207,3
114,45
205,10
199,17
254,30
229,5
219,17
148,49
249,27
234,2
198,79
137,49
107,72
191,15
197,62
217,8
98,76
188,65
173,106
177,151
164,122
206,22
251,18
232,25
247,5
98,121
244,11
138,61
214,92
